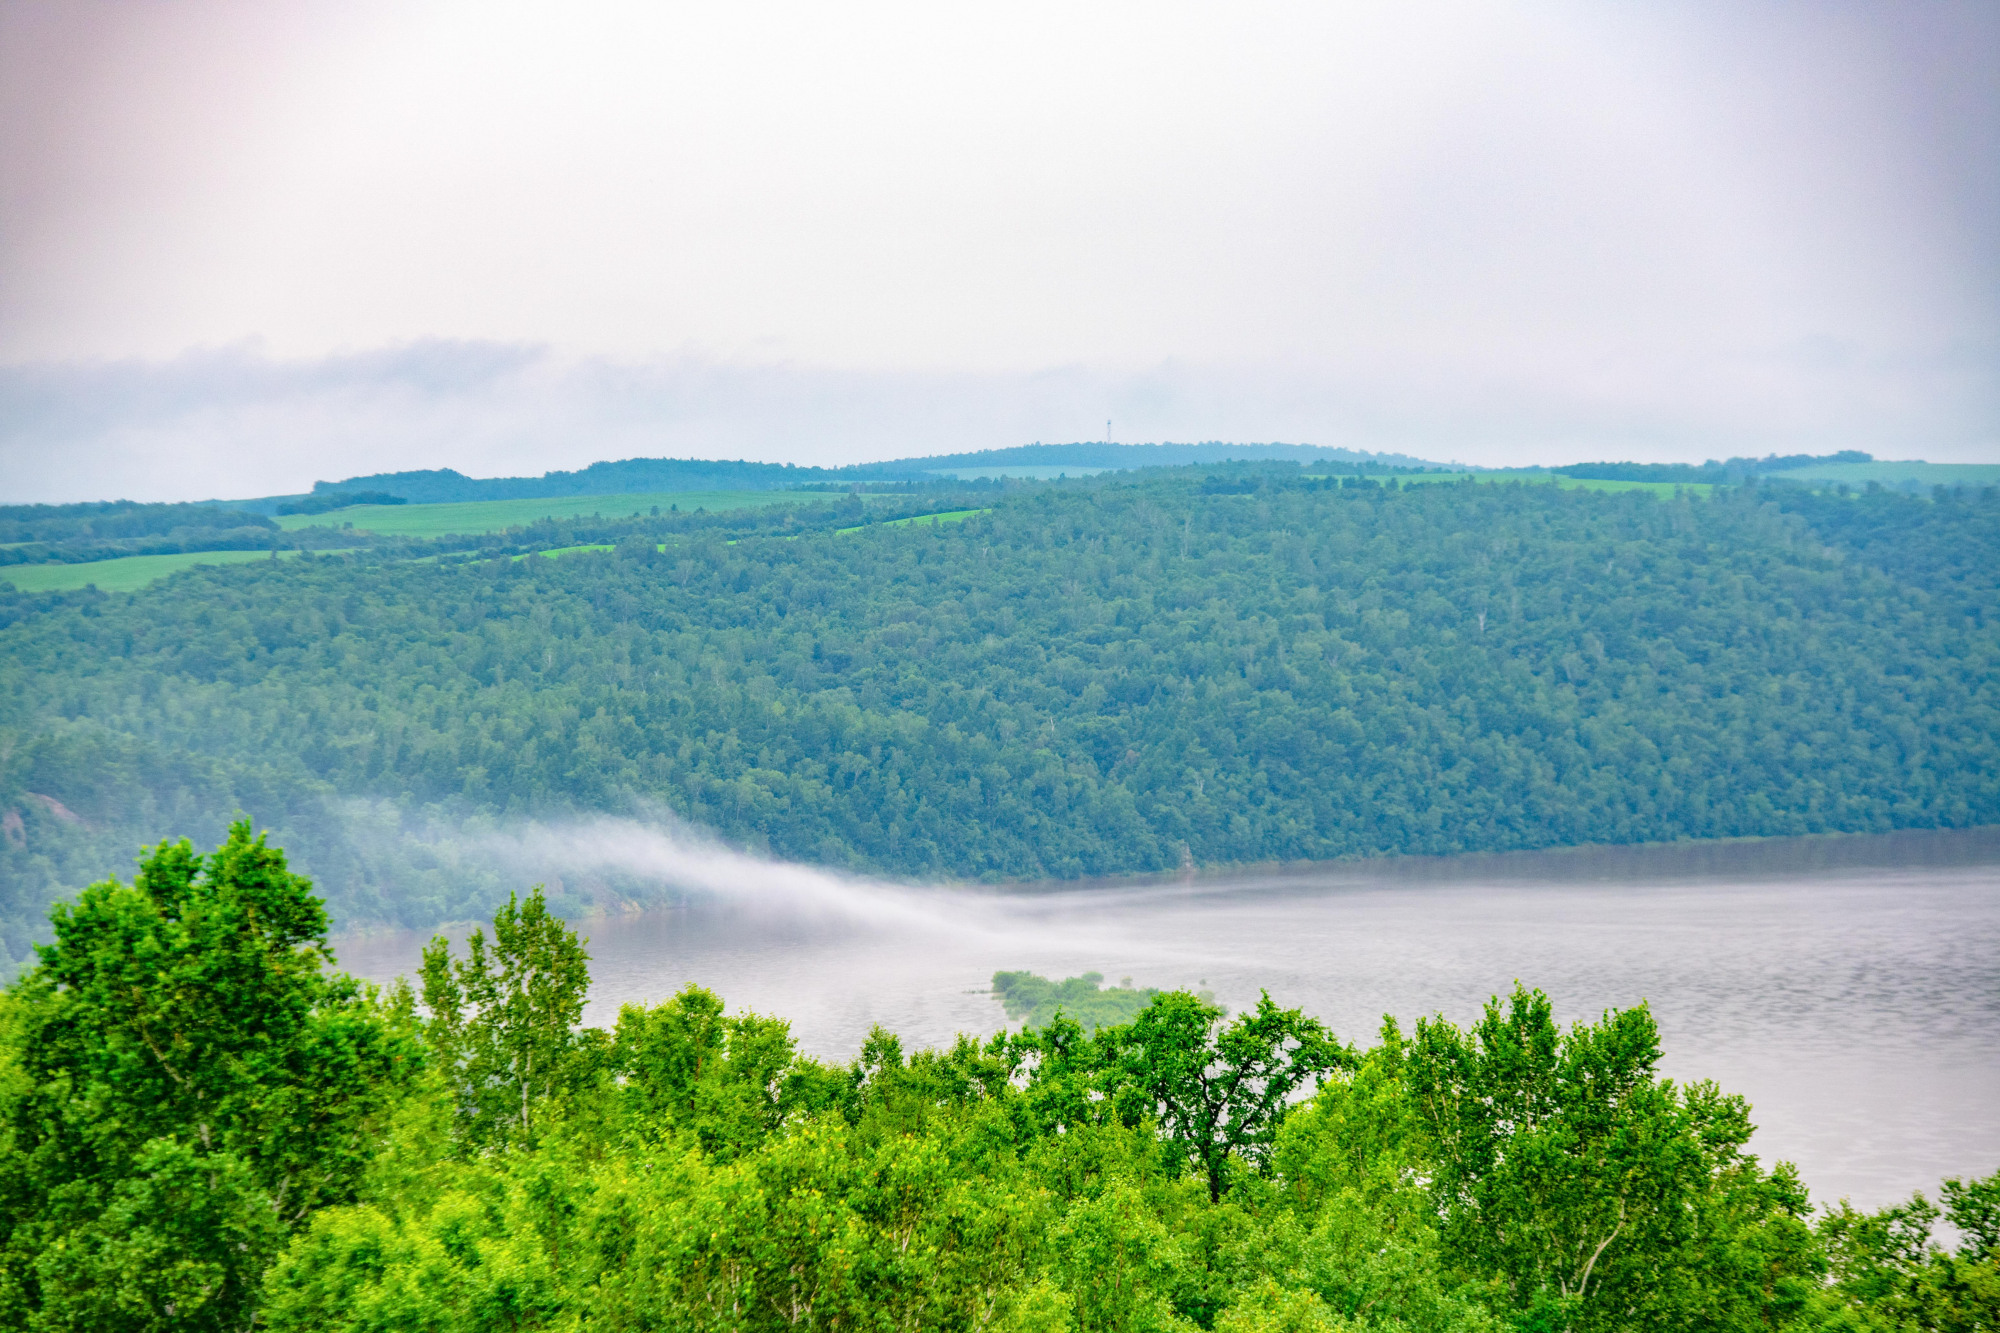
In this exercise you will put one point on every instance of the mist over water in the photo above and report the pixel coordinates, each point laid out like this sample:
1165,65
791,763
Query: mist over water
1849,987
679,858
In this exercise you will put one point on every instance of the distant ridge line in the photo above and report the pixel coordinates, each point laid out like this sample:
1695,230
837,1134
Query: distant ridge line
1103,453
640,475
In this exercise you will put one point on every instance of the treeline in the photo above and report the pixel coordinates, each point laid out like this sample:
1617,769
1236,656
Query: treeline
203,1126
629,476
1105,454
1732,472
75,533
116,520
321,502
638,476
1083,680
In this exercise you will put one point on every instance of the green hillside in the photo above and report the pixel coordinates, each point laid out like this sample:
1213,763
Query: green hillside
480,516
1541,477
122,573
1889,473
1221,665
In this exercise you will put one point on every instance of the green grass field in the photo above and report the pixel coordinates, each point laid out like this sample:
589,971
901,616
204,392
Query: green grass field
951,516
1567,483
1037,472
125,574
1891,473
476,516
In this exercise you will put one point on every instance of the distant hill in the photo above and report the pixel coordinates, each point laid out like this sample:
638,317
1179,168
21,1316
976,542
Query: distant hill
1735,471
1101,454
1915,475
1230,665
106,530
624,477
641,475
1850,466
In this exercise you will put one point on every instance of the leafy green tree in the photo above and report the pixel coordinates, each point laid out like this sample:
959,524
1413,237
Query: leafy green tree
1599,1195
1216,1090
1973,1207
177,1241
466,1257
818,1227
1361,1133
1890,1275
721,1077
1120,1263
503,1021
1270,1308
1354,1162
189,1081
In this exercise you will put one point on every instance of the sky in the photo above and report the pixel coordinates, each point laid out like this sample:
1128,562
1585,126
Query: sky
246,246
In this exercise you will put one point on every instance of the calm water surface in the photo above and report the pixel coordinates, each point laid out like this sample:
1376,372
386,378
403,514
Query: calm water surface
1850,988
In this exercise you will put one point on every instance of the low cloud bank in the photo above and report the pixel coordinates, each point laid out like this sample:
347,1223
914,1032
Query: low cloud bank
234,422
667,858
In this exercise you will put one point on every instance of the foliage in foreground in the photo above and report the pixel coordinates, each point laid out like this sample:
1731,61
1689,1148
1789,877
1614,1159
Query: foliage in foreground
205,1127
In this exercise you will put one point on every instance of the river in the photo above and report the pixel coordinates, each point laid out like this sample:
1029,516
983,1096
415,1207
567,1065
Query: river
1848,987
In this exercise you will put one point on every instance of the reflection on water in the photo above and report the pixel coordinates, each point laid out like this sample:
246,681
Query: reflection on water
1849,987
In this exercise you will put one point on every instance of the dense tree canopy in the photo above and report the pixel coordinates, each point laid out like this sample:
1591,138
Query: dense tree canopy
202,1126
1224,665
186,1083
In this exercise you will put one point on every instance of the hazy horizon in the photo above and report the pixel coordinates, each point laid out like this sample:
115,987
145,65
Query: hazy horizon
243,249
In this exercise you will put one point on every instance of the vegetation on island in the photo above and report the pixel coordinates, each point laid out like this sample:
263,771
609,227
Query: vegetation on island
1035,1001
204,1126
1214,666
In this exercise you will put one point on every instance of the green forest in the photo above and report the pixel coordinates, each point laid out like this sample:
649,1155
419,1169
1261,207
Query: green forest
205,1126
1135,673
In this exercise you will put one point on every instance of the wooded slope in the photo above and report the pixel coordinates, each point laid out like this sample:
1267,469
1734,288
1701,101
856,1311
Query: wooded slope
1087,679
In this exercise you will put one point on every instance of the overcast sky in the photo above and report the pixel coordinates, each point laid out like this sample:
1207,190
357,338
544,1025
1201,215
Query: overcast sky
247,245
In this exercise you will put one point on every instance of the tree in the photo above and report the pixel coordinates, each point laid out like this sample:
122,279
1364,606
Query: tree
1215,1091
1600,1195
190,1081
722,1077
503,1021
1888,1273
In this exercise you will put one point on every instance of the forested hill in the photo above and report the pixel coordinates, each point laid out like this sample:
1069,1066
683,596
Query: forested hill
624,476
1086,679
638,475
1105,454
80,533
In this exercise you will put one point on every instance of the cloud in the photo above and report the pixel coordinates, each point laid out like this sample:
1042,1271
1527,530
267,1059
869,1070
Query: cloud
236,422
670,856
507,236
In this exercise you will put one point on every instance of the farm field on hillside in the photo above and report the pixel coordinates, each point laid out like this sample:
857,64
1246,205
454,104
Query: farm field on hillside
1032,471
1889,473
474,516
1566,483
125,574
949,516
